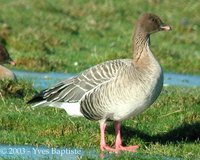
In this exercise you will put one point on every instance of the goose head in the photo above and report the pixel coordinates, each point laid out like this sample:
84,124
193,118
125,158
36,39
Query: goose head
150,23
5,57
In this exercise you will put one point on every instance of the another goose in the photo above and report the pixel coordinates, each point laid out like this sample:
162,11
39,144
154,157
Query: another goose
114,90
5,73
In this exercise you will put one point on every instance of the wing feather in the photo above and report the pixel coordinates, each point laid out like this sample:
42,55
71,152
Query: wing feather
73,89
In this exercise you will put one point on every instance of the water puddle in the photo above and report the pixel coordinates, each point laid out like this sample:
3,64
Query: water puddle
181,80
44,80
34,153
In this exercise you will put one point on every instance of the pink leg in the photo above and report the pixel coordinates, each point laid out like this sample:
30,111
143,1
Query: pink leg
118,141
103,144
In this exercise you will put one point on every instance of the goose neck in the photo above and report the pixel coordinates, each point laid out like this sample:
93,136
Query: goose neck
140,43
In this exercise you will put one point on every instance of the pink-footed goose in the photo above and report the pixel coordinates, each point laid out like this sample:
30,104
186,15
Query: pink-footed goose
114,90
5,73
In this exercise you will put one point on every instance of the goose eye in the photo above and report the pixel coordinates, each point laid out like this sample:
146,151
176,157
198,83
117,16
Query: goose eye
153,20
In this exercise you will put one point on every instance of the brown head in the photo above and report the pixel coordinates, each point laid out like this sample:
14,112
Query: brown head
147,24
5,57
150,23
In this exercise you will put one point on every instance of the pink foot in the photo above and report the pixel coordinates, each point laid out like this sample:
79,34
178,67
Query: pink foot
127,148
119,148
107,148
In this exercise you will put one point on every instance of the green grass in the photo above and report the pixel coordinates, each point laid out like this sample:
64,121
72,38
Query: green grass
169,128
70,36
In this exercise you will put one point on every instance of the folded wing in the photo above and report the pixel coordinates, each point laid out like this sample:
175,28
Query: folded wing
73,89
